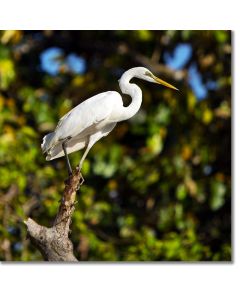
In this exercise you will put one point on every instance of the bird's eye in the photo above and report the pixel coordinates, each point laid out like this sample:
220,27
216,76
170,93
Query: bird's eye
148,74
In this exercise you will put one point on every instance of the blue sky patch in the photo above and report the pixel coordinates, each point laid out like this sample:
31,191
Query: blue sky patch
53,58
180,57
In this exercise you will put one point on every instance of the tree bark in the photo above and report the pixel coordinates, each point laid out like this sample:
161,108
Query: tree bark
54,243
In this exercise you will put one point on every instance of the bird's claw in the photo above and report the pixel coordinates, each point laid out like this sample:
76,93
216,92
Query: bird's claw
81,181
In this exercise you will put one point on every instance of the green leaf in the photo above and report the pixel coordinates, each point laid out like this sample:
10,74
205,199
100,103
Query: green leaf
218,191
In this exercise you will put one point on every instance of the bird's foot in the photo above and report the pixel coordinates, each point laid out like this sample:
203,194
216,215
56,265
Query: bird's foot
70,173
81,181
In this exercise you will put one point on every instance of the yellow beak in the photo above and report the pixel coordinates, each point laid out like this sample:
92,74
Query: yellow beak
162,82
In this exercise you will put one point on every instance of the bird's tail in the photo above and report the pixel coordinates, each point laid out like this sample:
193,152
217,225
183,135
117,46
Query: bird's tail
48,142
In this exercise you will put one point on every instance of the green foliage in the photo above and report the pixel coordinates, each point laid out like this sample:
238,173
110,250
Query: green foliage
159,186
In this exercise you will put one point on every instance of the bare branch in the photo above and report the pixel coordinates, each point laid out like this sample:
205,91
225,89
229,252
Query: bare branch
53,242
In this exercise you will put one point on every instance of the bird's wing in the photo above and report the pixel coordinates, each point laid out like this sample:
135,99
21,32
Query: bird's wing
63,118
73,145
87,115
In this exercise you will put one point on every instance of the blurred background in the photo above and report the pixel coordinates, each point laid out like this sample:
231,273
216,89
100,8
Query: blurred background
158,188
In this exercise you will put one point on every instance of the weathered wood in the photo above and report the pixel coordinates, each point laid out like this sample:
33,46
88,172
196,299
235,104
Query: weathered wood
54,243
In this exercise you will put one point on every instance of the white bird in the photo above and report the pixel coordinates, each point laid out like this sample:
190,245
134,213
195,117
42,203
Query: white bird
96,117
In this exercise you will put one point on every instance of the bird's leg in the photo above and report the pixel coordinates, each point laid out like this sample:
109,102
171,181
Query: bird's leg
67,159
89,146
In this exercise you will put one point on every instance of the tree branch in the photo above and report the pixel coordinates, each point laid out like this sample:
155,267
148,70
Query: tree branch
53,243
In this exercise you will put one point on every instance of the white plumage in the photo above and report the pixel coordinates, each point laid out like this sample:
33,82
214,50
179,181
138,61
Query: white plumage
82,123
96,117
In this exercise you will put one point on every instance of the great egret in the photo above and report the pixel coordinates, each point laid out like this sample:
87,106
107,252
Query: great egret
96,117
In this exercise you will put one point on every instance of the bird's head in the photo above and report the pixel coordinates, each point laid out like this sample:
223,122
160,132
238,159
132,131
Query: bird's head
145,74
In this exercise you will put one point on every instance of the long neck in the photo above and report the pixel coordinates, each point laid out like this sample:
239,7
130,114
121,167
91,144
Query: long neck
132,90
